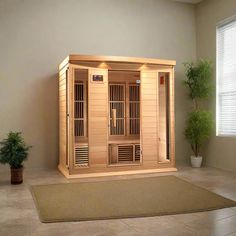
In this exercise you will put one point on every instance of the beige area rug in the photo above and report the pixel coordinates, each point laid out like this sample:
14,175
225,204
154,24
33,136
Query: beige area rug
153,196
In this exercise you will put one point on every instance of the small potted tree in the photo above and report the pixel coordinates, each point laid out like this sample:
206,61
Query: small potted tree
14,151
199,122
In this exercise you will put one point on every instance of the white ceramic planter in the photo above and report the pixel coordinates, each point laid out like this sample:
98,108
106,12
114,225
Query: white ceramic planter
196,162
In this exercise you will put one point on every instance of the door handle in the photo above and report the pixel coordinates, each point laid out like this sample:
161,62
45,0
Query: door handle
114,117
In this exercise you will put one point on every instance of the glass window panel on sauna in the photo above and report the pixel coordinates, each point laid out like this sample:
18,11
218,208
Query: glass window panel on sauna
80,103
134,109
117,109
164,117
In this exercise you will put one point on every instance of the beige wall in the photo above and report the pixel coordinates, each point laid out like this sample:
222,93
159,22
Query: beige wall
220,151
35,35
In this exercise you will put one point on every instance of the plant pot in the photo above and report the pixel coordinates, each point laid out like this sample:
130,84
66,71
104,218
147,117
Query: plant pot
16,175
196,162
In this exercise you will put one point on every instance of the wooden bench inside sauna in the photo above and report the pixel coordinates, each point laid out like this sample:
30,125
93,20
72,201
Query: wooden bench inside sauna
116,115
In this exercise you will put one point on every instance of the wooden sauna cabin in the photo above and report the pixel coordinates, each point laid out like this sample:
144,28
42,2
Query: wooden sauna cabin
116,116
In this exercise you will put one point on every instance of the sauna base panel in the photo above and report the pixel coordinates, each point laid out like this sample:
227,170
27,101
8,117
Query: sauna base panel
115,173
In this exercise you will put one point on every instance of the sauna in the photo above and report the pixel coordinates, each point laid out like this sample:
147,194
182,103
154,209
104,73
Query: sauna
116,116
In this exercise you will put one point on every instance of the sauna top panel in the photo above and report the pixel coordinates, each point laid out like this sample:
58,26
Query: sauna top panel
93,58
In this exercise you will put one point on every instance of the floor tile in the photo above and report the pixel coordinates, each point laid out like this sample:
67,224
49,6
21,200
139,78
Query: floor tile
19,215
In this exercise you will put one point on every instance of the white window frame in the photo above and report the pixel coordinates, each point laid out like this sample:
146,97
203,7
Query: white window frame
218,28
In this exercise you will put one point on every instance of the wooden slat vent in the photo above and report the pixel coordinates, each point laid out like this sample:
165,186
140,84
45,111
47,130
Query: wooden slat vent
124,153
81,156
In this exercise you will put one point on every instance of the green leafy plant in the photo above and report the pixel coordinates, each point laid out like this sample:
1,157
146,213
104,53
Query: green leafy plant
13,150
198,129
199,123
198,80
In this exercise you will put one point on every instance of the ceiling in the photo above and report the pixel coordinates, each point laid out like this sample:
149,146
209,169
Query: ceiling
189,1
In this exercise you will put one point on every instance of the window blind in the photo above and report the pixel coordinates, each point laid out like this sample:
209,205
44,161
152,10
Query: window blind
226,80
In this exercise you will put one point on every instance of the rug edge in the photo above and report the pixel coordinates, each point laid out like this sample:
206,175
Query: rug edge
37,205
132,217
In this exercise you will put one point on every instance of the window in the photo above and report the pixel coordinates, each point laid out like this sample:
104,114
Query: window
124,102
226,80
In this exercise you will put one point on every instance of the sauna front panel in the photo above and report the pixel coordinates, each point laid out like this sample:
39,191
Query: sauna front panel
116,116
149,117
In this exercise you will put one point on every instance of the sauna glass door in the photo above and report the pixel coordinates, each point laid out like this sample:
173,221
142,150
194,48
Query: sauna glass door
117,109
124,118
164,116
124,109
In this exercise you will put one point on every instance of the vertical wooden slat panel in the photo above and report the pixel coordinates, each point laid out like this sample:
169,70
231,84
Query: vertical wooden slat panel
149,137
98,135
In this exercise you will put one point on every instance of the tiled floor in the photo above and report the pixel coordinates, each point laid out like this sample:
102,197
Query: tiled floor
18,215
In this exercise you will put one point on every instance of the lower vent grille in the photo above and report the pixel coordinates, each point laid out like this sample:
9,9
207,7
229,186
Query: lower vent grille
81,156
124,153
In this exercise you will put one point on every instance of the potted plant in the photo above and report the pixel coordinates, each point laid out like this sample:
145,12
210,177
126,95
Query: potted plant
199,122
14,151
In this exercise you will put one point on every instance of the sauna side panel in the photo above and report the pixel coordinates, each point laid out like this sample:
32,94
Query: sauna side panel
98,119
149,114
63,76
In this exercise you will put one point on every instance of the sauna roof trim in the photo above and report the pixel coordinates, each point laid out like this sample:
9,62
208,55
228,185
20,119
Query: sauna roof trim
93,58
